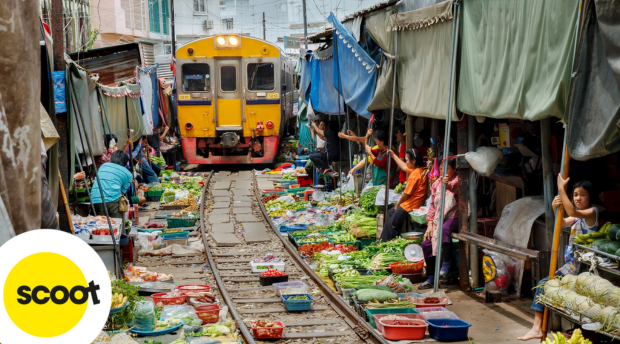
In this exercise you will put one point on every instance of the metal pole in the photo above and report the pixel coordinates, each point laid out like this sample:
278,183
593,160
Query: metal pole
349,141
339,115
305,24
92,206
76,106
473,202
391,128
410,130
172,31
553,264
264,29
446,146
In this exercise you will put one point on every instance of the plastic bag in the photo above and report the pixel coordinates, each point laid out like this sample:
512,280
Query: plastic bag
145,244
144,316
180,194
484,160
380,199
186,313
406,283
287,199
435,171
499,272
158,243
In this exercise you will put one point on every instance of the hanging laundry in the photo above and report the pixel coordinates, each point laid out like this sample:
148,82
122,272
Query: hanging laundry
148,83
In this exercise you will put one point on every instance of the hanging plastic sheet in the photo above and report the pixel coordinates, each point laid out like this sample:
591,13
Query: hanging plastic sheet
383,92
516,58
306,77
593,116
423,62
323,95
88,119
354,70
370,46
60,99
115,101
354,26
150,90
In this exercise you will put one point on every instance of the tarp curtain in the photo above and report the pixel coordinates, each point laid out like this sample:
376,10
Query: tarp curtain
354,70
323,95
516,57
83,87
306,77
423,62
149,83
383,92
115,99
593,111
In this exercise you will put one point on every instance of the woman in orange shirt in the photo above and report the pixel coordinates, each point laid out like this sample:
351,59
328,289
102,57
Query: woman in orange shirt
413,197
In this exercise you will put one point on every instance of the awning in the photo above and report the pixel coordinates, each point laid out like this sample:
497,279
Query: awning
354,70
516,57
423,60
593,111
306,77
323,95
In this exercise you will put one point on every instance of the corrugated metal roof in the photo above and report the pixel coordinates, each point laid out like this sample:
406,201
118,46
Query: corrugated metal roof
113,64
163,68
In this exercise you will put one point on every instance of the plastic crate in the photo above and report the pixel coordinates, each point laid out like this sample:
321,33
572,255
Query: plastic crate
414,331
412,316
347,243
448,330
267,332
174,230
180,235
297,305
260,267
153,196
182,242
407,268
280,287
270,280
371,312
161,300
436,313
274,192
185,221
304,181
208,314
293,227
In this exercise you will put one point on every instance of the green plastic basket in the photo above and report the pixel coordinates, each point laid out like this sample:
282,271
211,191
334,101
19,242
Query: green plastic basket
372,311
354,243
176,222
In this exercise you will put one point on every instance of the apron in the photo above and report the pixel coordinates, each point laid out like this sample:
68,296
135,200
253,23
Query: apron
450,209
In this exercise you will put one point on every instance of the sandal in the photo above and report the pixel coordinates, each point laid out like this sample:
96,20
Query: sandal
425,285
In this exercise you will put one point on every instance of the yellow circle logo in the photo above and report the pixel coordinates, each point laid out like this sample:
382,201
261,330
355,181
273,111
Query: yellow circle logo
46,294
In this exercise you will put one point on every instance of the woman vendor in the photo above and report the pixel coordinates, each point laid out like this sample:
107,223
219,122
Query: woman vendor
450,223
413,197
582,217
114,178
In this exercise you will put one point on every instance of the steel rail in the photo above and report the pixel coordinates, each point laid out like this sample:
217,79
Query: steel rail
362,328
220,284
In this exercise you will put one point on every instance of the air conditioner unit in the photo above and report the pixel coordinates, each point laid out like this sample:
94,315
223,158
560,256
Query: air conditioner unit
208,24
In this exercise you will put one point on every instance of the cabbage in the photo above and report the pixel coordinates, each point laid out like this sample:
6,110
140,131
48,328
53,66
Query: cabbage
217,330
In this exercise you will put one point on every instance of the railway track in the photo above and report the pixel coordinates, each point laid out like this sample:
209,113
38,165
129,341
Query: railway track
235,229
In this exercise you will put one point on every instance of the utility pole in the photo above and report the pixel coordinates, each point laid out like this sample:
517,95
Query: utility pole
264,30
305,25
172,33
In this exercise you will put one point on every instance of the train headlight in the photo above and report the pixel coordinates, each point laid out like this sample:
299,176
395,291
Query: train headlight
233,41
221,41
227,42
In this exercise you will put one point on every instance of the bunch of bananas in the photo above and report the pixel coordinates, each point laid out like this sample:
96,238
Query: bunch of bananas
587,239
576,338
118,300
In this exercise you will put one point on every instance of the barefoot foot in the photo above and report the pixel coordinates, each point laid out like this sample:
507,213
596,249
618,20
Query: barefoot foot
533,334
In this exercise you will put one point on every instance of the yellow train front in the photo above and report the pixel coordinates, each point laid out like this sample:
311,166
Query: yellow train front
235,94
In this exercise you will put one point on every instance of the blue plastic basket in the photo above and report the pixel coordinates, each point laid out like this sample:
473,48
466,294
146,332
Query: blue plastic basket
293,227
297,305
455,330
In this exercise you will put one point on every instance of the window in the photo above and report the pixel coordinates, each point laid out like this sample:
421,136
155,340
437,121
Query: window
228,23
154,16
228,78
167,49
261,77
165,13
200,6
196,77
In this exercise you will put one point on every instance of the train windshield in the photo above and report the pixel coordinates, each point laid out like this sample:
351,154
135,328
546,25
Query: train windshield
261,77
196,77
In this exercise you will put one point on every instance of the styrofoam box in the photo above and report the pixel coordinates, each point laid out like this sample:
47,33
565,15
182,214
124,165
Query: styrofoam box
260,267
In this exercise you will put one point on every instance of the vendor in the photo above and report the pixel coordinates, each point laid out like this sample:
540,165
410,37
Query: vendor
157,138
413,197
150,171
331,152
402,147
110,142
450,223
583,219
379,157
114,178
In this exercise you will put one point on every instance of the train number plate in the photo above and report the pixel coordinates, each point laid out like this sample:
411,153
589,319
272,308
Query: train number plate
273,95
184,96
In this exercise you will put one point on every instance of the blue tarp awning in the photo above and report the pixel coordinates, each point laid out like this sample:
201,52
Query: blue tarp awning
323,95
355,71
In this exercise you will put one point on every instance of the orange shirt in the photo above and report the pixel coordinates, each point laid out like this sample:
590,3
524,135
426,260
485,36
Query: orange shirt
416,189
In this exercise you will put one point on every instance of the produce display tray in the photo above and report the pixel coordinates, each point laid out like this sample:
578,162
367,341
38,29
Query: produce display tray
157,333
118,309
448,330
356,243
370,313
260,267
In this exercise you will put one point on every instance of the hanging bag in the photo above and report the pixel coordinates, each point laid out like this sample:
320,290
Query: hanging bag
123,204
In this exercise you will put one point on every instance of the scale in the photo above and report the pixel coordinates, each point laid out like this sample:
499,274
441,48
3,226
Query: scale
319,193
413,252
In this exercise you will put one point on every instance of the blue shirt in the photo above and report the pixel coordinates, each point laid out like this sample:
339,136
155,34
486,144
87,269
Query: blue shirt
137,152
115,179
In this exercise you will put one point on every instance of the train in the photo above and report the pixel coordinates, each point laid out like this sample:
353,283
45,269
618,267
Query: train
235,95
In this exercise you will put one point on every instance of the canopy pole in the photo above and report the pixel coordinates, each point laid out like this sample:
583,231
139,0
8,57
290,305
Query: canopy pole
446,141
339,128
473,202
349,141
391,128
553,264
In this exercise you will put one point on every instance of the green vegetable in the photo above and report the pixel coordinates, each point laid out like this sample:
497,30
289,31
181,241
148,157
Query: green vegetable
366,295
178,341
217,330
124,318
288,176
399,304
400,188
166,173
150,341
298,298
367,201
158,161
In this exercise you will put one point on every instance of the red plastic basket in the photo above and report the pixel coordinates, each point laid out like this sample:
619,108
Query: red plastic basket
419,302
208,313
414,331
187,288
267,332
377,317
408,268
161,300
